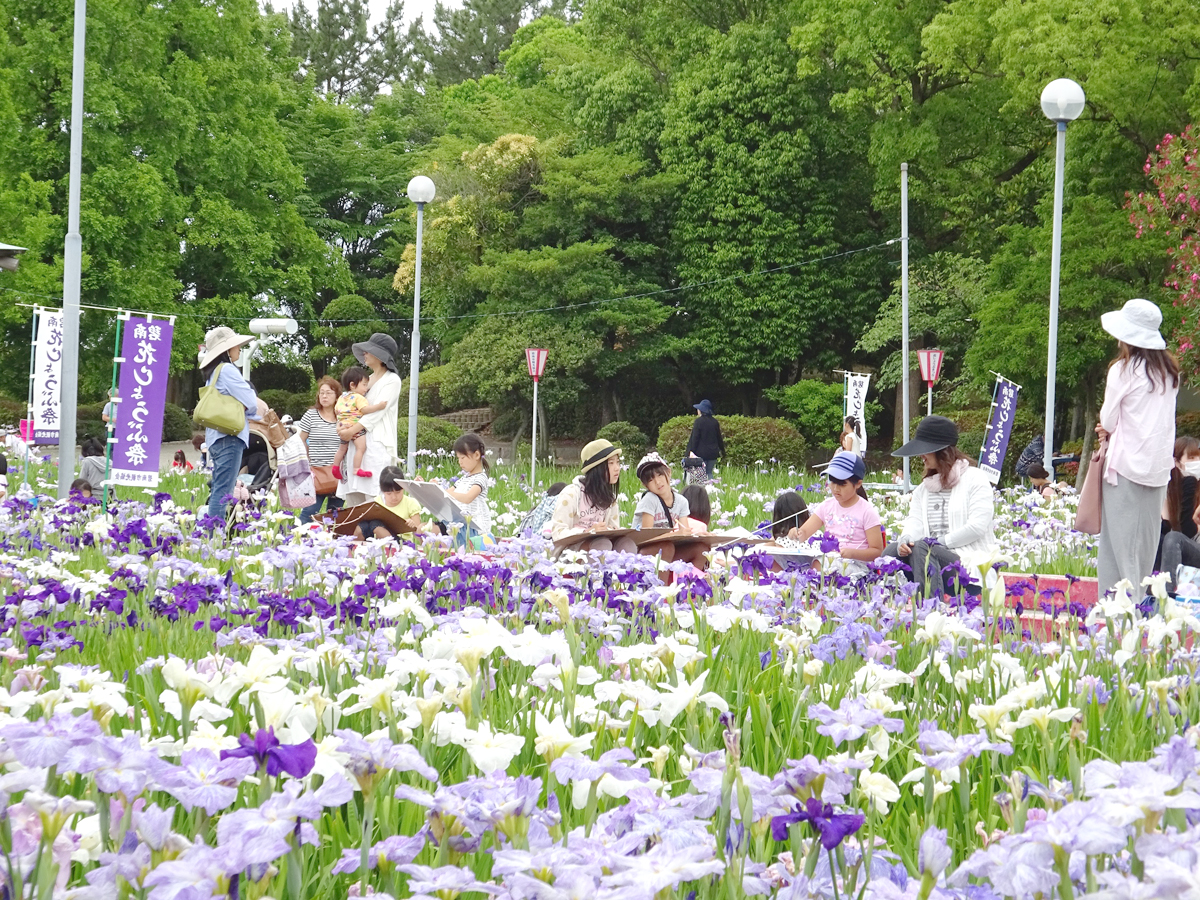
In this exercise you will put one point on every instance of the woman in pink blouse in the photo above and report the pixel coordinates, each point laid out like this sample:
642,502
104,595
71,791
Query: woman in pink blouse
1138,421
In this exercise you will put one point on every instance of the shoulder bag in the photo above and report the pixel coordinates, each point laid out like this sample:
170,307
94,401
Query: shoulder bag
1087,515
220,411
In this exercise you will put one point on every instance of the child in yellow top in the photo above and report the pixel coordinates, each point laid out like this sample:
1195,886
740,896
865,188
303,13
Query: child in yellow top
394,499
349,409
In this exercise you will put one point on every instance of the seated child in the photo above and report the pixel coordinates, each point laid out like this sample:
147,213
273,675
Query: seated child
391,496
699,505
846,515
181,463
82,487
1041,483
788,514
538,520
349,409
661,506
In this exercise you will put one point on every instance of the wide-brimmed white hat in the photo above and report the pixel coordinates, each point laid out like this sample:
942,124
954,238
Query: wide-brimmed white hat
219,340
1136,323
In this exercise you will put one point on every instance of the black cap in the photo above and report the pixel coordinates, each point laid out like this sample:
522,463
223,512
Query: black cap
933,433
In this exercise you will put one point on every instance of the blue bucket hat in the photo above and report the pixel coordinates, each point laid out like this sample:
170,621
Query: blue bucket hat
705,407
846,466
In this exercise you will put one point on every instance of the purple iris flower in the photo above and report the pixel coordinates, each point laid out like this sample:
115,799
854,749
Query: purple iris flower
833,828
264,748
399,850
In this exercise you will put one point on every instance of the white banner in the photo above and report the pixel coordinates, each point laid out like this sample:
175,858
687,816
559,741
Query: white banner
856,404
47,377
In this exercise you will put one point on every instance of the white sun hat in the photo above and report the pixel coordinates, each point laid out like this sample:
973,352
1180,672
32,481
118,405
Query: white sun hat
1136,323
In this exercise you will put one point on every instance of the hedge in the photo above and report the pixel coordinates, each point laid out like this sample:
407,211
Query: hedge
432,434
288,403
747,440
625,435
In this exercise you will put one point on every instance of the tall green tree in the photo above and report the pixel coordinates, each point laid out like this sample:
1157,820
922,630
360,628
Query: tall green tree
188,192
468,40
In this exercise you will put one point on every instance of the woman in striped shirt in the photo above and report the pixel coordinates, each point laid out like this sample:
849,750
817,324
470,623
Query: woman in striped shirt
318,430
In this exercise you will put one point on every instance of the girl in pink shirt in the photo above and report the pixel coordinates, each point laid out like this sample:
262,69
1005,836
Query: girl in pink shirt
846,515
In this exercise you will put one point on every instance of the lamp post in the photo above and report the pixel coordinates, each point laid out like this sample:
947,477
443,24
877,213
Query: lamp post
420,191
1062,102
72,268
262,327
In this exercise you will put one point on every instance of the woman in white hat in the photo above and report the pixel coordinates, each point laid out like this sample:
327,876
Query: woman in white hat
1138,422
222,349
379,355
589,503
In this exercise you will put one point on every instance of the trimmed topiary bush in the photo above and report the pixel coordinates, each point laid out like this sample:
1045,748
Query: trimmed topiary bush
432,434
747,440
625,435
177,423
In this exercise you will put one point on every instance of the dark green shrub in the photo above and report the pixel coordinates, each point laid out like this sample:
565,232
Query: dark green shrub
88,422
1188,423
288,403
972,426
817,408
429,391
12,412
506,424
432,434
625,435
275,376
177,423
747,440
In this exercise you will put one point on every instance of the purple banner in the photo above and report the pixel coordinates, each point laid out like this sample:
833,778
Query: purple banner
995,439
141,402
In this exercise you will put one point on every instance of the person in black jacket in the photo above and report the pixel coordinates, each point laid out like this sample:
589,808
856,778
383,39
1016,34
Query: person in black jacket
1178,543
706,441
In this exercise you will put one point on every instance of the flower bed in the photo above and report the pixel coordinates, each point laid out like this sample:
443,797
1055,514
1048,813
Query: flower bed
276,716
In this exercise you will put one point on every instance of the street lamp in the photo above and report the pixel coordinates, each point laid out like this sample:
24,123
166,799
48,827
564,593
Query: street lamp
261,327
1062,102
420,191
10,256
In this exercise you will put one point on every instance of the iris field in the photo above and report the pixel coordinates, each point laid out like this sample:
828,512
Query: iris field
274,715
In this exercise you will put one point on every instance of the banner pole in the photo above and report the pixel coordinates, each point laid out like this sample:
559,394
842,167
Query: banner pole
533,441
111,424
904,373
29,410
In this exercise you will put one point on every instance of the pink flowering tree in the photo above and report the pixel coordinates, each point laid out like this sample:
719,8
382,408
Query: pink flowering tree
1170,213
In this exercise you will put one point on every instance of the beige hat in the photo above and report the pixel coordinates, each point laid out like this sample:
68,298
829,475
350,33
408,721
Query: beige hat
595,453
221,339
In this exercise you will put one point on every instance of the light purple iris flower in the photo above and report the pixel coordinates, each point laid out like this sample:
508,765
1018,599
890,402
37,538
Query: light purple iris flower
944,751
851,720
203,780
49,742
567,768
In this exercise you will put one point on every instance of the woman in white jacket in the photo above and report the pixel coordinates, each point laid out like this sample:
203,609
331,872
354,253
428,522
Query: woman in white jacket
950,513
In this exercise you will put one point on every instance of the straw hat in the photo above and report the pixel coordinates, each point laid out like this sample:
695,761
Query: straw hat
595,453
220,340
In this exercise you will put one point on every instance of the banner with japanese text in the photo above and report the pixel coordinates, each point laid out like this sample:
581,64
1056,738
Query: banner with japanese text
995,439
856,403
46,412
141,402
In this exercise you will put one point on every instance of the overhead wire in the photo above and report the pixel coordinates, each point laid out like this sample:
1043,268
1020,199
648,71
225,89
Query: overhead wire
319,321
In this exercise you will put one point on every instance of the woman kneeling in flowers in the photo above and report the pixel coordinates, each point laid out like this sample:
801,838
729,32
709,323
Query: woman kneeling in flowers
951,510
589,503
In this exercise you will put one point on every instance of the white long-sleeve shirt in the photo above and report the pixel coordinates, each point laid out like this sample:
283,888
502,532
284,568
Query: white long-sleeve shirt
1140,420
971,509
